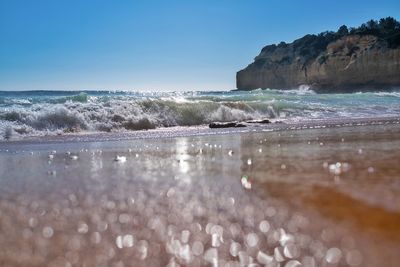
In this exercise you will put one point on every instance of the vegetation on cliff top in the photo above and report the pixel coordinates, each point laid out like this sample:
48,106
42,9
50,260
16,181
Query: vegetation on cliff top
311,45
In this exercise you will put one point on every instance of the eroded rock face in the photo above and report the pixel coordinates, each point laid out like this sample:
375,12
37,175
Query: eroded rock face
351,63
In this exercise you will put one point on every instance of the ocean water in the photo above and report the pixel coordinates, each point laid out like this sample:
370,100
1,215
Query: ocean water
31,113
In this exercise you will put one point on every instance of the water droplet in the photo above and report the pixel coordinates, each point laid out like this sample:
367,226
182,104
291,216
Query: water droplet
235,248
170,192
95,238
291,251
83,228
246,183
278,255
270,211
211,255
333,255
354,258
264,226
263,258
124,218
217,229
284,238
142,248
215,240
244,258
47,232
251,239
185,236
339,168
33,222
102,226
118,242
293,263
197,248
127,241
124,241
184,253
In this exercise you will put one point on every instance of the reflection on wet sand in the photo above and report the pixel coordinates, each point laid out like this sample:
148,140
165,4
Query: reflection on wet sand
327,197
340,207
374,220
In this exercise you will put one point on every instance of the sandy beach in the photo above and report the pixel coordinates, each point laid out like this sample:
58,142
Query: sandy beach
319,196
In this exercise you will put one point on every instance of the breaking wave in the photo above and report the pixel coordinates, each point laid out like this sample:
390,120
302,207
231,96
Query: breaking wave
36,113
117,115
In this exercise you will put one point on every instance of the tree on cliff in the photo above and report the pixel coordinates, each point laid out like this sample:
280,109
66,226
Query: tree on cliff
388,24
343,30
387,29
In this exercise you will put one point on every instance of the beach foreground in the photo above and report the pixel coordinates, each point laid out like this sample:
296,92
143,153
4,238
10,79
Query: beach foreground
311,197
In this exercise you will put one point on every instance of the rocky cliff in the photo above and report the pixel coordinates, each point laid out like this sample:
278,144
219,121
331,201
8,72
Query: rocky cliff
365,58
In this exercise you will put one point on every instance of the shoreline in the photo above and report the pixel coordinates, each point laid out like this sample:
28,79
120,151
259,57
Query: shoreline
201,130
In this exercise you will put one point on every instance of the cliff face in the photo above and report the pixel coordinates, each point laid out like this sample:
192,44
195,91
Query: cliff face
350,63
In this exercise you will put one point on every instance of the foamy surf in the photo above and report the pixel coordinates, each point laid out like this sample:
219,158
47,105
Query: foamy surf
56,112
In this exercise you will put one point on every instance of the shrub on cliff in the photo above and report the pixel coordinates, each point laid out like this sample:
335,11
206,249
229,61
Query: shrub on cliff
343,30
387,29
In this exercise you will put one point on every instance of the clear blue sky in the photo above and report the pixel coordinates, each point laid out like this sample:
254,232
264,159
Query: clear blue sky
156,44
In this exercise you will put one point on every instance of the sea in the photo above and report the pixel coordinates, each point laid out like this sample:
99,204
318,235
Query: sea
38,113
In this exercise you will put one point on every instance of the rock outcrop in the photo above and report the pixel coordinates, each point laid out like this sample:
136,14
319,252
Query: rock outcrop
364,59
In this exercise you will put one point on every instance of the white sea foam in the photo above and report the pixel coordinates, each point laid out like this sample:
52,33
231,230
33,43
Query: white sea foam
394,94
38,113
128,114
303,89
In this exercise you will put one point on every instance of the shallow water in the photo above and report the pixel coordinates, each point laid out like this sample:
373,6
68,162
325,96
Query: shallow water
315,197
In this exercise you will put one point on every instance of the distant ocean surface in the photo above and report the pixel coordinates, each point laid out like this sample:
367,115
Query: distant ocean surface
55,112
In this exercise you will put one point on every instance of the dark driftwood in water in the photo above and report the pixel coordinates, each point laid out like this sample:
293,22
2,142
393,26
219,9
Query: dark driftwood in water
234,124
226,125
259,121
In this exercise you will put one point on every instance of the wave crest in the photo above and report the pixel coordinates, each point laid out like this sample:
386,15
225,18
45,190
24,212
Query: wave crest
41,112
127,114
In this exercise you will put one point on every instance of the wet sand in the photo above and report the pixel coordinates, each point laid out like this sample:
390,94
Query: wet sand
312,197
